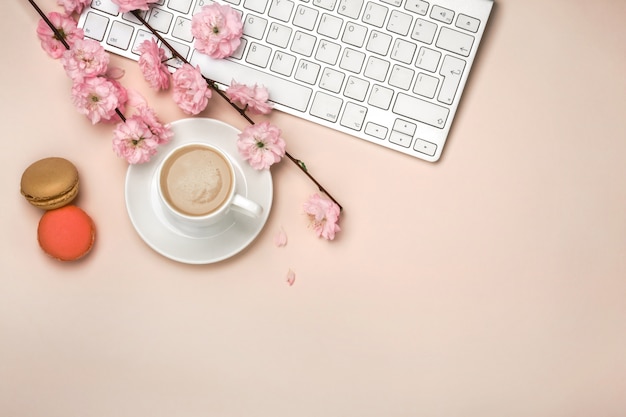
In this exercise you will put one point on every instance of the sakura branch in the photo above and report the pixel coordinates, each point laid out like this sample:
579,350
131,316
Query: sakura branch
97,93
208,47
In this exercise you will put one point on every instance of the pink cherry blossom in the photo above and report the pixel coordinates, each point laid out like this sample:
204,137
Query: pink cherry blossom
323,215
151,64
129,5
98,97
217,29
261,145
191,92
73,6
133,141
66,27
291,277
254,99
161,133
86,58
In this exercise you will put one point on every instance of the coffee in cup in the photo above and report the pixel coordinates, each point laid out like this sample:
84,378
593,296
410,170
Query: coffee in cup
197,183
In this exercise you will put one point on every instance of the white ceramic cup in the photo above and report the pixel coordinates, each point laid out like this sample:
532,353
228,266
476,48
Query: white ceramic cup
197,185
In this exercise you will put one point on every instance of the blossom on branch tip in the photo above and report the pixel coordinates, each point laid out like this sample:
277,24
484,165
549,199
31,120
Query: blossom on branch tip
87,58
130,5
190,90
98,98
323,216
152,66
217,29
66,27
261,145
253,99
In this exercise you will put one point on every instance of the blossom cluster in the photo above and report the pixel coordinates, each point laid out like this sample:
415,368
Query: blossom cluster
98,94
96,91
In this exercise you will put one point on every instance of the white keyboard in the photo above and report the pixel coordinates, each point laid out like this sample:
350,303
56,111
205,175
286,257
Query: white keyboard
387,71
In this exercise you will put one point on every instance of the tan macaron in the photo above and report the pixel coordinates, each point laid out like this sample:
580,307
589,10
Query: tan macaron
50,183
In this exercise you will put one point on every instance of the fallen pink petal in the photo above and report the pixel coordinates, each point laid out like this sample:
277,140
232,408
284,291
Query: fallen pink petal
280,239
291,277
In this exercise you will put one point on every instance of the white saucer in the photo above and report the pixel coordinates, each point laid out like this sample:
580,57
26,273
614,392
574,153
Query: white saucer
223,240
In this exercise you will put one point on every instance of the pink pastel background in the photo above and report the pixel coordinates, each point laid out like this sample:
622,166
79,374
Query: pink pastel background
489,284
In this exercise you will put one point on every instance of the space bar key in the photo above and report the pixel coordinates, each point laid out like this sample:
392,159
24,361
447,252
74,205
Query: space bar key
281,91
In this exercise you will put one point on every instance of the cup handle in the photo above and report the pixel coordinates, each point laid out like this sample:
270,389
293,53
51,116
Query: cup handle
245,206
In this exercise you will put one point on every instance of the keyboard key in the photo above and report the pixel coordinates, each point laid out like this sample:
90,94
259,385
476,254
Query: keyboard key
182,29
376,130
160,20
375,14
305,17
283,63
404,126
279,35
399,23
352,60
424,31
281,9
356,88
325,4
428,59
425,147
452,70
120,35
376,69
128,16
254,26
330,26
421,110
354,34
258,55
255,5
182,6
303,43
353,116
332,80
455,41
396,3
282,91
327,52
426,85
400,138
403,51
417,6
350,8
467,23
95,26
378,43
380,97
401,77
326,106
307,71
441,14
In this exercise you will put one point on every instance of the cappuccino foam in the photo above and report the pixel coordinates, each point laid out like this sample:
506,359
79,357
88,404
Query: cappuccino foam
196,180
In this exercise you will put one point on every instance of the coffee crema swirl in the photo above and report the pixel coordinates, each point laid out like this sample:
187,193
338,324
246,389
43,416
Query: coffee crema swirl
196,180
